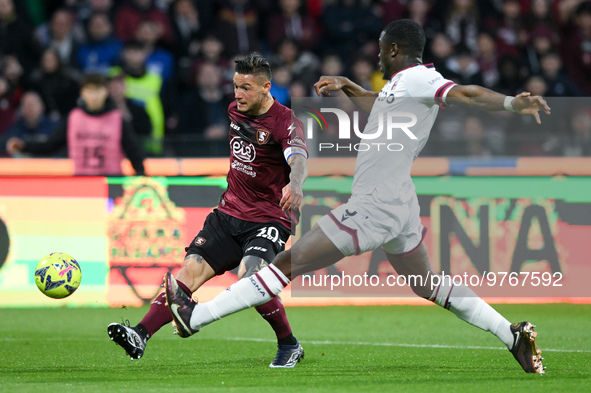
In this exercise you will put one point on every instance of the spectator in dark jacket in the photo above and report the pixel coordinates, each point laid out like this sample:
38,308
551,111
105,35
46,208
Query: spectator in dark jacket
102,49
291,22
131,14
16,37
559,85
576,47
204,109
57,85
32,125
62,35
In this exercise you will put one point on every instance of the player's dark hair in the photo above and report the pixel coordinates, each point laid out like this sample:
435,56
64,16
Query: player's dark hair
254,64
407,34
94,79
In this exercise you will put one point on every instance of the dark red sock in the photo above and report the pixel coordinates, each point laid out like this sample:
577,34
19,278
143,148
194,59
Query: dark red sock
274,313
159,314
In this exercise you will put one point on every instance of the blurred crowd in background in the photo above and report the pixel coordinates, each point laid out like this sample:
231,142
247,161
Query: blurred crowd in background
170,64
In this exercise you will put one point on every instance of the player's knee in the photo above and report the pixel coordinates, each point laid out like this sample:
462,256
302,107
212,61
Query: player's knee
284,263
195,271
250,265
419,284
422,291
192,264
283,258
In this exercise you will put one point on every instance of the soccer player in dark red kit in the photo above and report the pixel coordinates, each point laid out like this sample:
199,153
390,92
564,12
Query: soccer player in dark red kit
255,215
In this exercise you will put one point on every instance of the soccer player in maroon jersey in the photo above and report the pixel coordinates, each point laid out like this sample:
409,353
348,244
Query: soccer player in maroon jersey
254,217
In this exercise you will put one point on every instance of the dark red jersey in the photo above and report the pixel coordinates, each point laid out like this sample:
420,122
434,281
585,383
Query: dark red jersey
259,149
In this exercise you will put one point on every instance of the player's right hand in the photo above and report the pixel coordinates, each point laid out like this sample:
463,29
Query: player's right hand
526,104
14,145
326,84
292,197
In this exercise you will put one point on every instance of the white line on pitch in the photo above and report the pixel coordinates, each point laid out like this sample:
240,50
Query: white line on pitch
396,344
312,342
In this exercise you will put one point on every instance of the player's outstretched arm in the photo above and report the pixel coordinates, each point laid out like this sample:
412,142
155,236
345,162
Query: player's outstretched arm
326,84
292,192
483,98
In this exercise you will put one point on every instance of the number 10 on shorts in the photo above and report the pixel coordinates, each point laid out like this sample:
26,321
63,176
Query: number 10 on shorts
270,233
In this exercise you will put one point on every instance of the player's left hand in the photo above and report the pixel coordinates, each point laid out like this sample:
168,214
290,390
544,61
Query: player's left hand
526,104
326,84
292,196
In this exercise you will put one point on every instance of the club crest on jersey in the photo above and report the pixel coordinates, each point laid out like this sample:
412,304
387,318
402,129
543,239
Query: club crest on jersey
262,136
200,241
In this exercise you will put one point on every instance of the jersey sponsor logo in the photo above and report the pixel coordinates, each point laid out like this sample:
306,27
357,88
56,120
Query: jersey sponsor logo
348,214
244,168
262,136
296,141
242,150
86,135
199,241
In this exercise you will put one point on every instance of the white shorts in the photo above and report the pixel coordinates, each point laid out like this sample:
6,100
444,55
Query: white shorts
362,225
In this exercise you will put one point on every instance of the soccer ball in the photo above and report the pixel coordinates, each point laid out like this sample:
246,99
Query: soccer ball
58,275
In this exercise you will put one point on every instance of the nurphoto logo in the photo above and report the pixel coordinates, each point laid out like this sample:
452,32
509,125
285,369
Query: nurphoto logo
335,129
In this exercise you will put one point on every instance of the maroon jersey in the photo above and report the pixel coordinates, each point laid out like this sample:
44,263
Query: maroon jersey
259,149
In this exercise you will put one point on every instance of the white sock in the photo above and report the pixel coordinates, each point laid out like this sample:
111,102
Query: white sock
466,305
247,292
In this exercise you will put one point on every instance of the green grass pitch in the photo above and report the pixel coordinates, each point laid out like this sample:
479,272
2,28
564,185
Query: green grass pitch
348,349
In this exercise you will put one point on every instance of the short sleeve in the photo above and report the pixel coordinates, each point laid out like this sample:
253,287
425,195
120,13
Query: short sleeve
291,136
431,86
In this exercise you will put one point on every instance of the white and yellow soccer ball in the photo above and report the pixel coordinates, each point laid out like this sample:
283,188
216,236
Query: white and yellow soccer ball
58,275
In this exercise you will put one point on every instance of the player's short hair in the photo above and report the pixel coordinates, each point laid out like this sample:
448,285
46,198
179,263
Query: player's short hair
254,64
407,34
94,79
